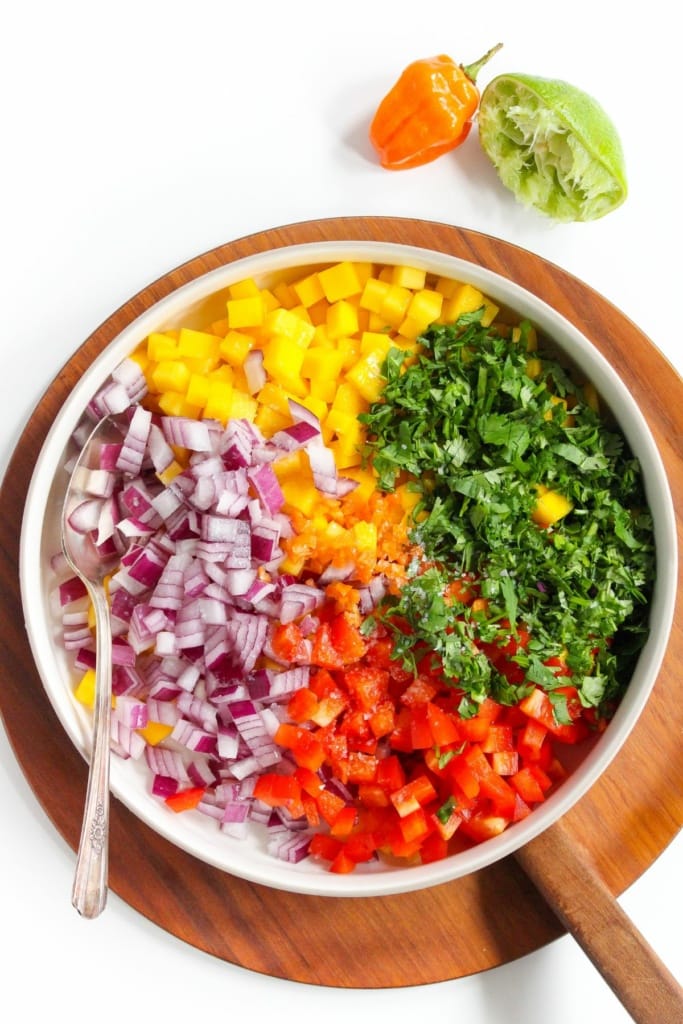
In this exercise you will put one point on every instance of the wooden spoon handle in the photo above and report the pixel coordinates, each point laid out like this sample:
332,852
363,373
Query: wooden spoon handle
560,868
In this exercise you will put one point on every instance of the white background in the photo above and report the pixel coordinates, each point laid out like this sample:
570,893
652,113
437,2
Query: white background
136,135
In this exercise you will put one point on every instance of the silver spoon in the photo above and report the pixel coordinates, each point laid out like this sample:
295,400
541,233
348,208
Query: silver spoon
89,894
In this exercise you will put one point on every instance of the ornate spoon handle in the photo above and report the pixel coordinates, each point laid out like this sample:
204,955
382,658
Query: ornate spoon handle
89,894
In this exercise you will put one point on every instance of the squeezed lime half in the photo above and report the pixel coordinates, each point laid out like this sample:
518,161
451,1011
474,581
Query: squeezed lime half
553,146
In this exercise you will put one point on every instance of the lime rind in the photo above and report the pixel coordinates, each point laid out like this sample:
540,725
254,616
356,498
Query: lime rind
553,146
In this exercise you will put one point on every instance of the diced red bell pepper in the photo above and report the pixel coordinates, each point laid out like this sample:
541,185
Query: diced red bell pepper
288,642
420,732
538,706
443,728
185,799
390,773
344,822
347,639
528,787
368,685
302,705
324,654
306,748
413,795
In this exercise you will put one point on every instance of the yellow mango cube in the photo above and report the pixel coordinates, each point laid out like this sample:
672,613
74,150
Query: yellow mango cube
283,359
365,537
308,290
161,347
246,312
322,364
197,344
366,375
550,507
155,732
529,334
269,420
85,690
342,319
290,324
245,289
285,295
340,281
374,293
349,399
235,346
173,403
374,341
464,299
171,375
408,277
396,304
534,367
218,400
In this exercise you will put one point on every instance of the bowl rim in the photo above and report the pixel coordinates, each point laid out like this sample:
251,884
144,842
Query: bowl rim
549,321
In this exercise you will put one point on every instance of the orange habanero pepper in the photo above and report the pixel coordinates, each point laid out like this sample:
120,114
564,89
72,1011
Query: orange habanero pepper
427,112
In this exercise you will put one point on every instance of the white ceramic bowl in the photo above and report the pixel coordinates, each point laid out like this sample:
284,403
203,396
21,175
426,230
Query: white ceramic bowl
193,305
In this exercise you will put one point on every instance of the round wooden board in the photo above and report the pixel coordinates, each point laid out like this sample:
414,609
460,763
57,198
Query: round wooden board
451,931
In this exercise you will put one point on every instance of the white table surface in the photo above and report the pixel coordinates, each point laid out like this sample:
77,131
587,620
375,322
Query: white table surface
139,134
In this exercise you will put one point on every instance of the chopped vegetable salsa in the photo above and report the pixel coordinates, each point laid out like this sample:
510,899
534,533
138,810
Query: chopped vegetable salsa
381,559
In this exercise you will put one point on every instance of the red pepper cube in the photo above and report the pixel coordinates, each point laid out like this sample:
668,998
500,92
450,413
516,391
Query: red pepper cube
383,719
442,726
499,738
277,790
185,799
522,809
463,776
347,639
310,810
302,705
501,795
434,847
420,733
390,773
361,847
446,825
324,654
342,863
361,767
329,805
371,794
474,730
481,827
413,795
528,787
310,782
415,826
344,822
368,686
530,742
323,846
505,762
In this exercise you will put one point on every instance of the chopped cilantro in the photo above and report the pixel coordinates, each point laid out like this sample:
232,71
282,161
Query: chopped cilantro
474,435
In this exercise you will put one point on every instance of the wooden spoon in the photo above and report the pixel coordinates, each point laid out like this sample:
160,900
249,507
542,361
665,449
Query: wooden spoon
561,869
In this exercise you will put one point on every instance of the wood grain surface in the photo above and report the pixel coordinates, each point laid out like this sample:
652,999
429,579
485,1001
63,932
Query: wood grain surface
466,926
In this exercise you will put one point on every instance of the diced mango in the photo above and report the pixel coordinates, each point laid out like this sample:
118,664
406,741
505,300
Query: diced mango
465,299
246,312
340,281
154,732
85,690
349,399
308,290
322,364
291,324
171,375
269,420
197,345
396,304
408,277
218,400
550,506
534,367
173,403
235,346
245,289
161,347
366,375
342,319
374,294
528,334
